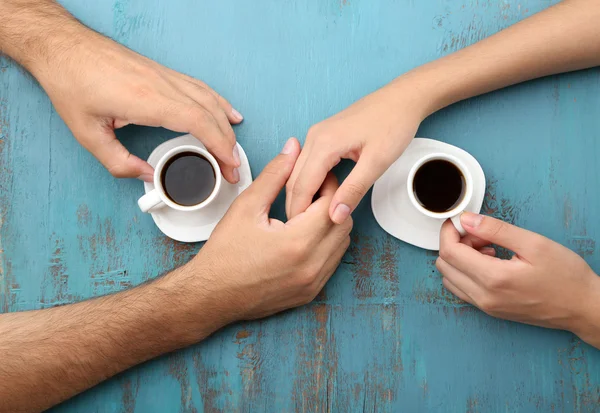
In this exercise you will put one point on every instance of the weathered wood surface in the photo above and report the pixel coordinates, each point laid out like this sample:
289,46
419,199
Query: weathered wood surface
384,335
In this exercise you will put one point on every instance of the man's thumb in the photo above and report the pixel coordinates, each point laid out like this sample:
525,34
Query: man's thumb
274,176
116,158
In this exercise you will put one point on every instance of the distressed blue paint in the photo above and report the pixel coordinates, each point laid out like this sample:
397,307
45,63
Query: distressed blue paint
384,336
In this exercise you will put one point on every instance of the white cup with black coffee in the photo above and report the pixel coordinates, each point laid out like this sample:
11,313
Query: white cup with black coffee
186,178
440,186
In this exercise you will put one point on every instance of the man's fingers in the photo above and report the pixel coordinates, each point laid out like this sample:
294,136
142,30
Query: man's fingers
355,186
333,263
192,118
211,101
497,232
463,257
263,191
233,115
114,156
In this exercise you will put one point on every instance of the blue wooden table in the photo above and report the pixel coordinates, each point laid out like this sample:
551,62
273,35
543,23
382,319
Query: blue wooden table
384,335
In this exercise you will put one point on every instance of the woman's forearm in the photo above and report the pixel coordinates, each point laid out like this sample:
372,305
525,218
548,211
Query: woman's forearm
562,38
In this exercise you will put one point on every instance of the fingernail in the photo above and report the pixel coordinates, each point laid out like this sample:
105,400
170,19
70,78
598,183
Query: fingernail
236,175
289,146
146,177
341,213
237,114
471,220
236,156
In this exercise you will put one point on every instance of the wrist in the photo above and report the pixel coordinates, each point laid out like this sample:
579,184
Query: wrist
421,91
586,324
200,307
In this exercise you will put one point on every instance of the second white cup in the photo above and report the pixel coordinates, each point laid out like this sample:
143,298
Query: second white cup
435,177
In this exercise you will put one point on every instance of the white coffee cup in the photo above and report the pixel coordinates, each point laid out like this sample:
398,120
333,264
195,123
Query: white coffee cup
467,194
157,198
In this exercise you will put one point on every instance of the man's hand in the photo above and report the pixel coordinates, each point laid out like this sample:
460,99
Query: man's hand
373,132
264,265
252,266
98,85
544,284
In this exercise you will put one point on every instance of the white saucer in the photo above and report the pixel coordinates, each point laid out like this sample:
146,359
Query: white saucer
392,207
197,225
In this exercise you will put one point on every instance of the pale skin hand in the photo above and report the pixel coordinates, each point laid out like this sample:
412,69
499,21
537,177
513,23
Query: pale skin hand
375,130
544,284
252,266
98,85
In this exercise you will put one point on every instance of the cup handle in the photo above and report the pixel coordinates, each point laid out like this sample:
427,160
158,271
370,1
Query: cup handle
150,201
456,221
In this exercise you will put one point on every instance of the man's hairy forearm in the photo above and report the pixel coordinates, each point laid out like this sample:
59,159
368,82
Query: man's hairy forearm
32,32
50,355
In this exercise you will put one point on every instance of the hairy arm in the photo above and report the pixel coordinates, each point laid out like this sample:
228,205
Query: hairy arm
50,355
98,85
251,267
34,31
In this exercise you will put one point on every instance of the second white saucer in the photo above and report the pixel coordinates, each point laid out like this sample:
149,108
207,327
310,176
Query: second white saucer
196,226
392,207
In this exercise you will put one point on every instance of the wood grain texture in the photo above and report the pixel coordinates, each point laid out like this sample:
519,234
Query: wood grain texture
384,336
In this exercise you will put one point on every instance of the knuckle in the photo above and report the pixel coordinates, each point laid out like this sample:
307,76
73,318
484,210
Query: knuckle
118,171
316,133
223,102
297,251
198,114
356,189
298,189
496,227
438,264
306,281
313,132
487,303
210,100
142,91
447,254
271,171
495,281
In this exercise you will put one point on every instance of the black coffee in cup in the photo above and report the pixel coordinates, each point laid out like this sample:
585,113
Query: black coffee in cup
439,186
188,178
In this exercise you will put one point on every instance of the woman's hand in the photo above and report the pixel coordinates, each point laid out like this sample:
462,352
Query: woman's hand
544,284
373,132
